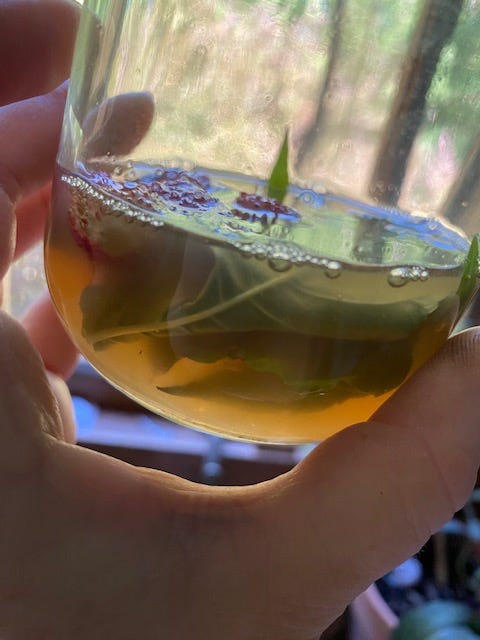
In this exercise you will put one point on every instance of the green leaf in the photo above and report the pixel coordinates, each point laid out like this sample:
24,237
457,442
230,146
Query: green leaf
356,368
453,633
469,277
427,621
278,182
118,299
297,10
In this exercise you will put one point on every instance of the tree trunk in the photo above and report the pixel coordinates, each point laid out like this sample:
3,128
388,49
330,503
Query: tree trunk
434,29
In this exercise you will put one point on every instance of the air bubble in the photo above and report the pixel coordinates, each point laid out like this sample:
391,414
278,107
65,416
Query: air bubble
279,264
399,276
308,197
333,269
418,273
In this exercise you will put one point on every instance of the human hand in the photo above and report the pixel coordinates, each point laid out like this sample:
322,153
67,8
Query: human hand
91,547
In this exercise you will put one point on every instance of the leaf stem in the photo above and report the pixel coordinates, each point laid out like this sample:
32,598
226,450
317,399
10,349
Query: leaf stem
169,325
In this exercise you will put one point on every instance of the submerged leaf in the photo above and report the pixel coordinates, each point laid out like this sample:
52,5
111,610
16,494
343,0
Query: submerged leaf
241,294
469,278
278,181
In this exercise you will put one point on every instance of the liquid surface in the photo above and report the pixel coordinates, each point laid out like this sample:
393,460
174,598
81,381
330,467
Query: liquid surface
225,310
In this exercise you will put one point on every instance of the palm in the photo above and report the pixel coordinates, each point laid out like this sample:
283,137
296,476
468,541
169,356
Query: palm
83,537
112,550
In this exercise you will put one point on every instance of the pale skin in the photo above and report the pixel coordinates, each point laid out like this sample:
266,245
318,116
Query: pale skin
91,547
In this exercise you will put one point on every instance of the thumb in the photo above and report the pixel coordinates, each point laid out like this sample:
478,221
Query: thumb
65,407
370,496
28,408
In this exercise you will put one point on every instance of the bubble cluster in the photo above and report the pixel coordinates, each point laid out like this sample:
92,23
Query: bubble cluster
282,257
88,217
399,276
170,187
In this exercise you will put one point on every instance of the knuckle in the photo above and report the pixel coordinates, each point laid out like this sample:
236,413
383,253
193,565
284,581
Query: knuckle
452,473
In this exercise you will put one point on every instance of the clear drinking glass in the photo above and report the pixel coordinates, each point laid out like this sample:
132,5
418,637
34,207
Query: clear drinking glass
265,211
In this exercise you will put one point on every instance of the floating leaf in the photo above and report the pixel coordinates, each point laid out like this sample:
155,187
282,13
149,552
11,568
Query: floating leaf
278,182
469,277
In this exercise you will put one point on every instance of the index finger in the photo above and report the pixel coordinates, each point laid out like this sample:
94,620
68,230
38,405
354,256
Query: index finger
36,44
29,131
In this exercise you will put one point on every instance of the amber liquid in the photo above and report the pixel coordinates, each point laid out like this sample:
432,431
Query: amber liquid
212,305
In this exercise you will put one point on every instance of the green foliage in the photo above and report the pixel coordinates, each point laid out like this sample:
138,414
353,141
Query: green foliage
278,182
295,9
468,282
435,619
453,633
453,100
